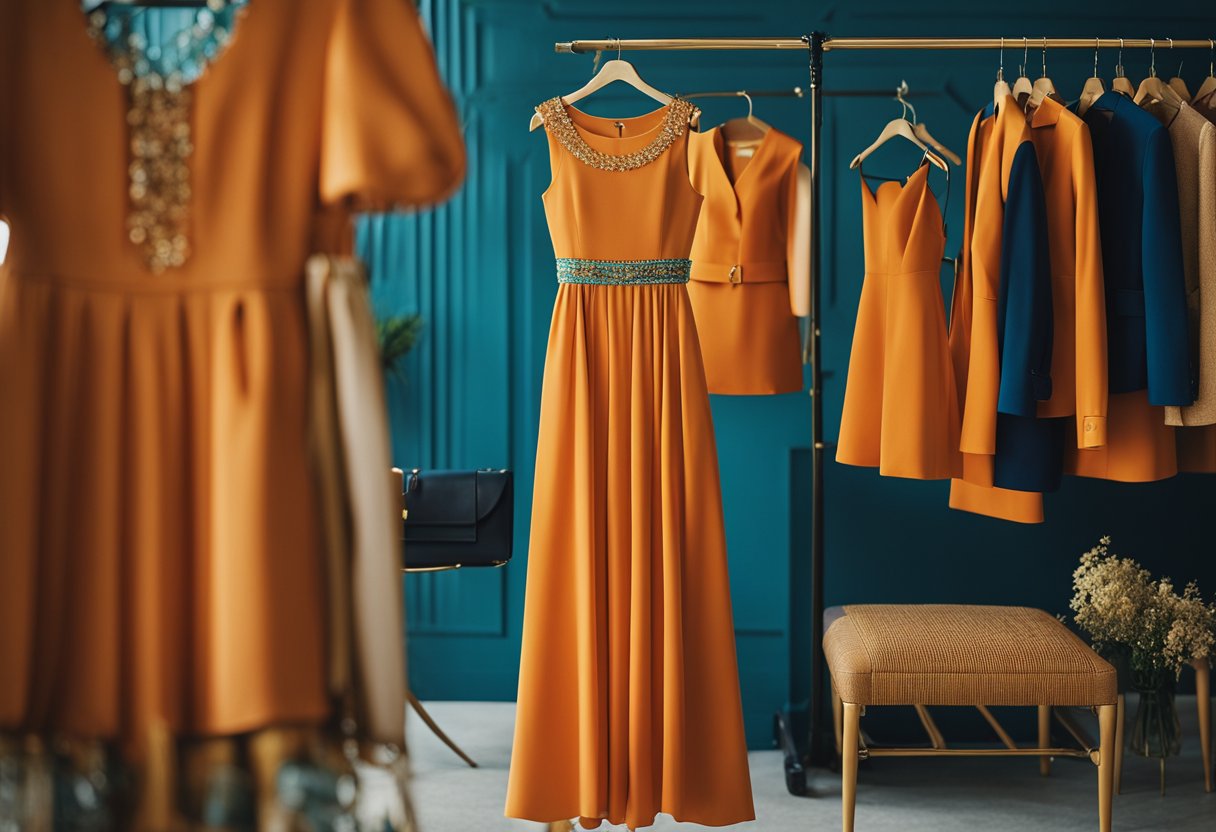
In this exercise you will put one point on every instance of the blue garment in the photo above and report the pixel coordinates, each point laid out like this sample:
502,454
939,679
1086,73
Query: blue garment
1024,315
1146,317
1029,450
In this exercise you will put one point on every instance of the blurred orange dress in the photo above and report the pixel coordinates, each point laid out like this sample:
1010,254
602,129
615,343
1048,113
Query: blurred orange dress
629,698
900,402
161,569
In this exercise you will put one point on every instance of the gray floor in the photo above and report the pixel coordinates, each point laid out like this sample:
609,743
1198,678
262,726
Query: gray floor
908,795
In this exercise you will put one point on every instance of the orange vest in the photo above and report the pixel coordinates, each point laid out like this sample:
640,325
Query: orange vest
740,276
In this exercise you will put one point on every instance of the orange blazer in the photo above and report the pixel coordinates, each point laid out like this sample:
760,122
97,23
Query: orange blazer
1078,359
740,272
974,342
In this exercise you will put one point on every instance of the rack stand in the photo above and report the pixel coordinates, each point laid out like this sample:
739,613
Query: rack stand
818,751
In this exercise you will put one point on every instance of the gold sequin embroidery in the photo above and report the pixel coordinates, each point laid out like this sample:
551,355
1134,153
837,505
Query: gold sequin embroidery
679,115
159,122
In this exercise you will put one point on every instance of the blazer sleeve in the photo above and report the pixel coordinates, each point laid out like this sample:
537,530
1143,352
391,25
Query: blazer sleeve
961,297
1170,377
1092,373
1024,314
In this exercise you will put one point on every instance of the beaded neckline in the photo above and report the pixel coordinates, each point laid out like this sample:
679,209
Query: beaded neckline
675,121
158,78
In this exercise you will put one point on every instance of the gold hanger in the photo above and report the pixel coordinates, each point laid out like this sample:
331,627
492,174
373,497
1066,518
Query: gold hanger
1000,90
902,128
747,128
1121,82
614,70
1176,83
1042,87
1094,88
1023,86
1153,88
1209,84
919,128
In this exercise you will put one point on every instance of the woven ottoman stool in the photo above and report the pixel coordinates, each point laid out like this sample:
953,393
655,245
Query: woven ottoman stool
922,655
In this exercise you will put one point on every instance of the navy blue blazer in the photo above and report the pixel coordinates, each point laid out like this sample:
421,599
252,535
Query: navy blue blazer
1029,450
1146,318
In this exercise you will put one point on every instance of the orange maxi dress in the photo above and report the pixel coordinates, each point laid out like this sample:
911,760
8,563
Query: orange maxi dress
629,699
161,572
901,410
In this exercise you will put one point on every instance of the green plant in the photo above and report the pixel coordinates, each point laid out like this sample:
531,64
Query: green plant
397,336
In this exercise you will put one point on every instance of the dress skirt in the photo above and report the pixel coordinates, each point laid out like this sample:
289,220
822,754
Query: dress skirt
629,694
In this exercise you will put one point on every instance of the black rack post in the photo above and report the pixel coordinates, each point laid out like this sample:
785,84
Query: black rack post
820,751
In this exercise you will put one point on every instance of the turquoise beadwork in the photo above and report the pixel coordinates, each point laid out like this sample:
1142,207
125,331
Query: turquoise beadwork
622,272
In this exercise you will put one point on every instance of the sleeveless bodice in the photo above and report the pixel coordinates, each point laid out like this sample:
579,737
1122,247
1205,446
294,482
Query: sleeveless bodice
902,226
620,188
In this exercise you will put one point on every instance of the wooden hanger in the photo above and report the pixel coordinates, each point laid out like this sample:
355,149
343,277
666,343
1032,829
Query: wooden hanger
1042,87
1022,88
1000,90
1121,82
614,70
1176,83
918,127
746,128
1153,88
901,128
1094,88
1209,84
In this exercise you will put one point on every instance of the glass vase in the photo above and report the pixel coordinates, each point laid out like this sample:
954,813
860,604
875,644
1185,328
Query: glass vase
1157,732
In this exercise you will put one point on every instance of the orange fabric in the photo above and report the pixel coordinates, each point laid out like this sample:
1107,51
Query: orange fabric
973,319
900,403
1078,300
161,557
629,698
751,345
1140,447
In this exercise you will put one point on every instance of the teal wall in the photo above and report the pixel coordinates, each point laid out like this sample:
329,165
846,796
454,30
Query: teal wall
480,270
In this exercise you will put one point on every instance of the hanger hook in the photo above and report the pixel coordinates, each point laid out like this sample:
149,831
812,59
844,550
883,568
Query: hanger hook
1119,66
1212,56
1044,56
618,49
1152,51
1000,70
749,102
1025,56
1097,46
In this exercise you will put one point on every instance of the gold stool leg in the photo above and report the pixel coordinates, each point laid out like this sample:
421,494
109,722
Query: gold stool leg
1203,691
1120,714
837,717
1106,764
851,730
1045,739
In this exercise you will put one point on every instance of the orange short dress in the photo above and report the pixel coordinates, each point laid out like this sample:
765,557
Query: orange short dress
629,699
901,410
740,285
161,574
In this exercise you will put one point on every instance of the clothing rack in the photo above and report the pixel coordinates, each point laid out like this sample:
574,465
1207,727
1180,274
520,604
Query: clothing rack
792,92
818,750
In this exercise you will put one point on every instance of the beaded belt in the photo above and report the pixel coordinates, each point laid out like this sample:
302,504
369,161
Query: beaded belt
622,272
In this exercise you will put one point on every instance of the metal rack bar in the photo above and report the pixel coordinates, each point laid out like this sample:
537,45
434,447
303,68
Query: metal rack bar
820,746
832,44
